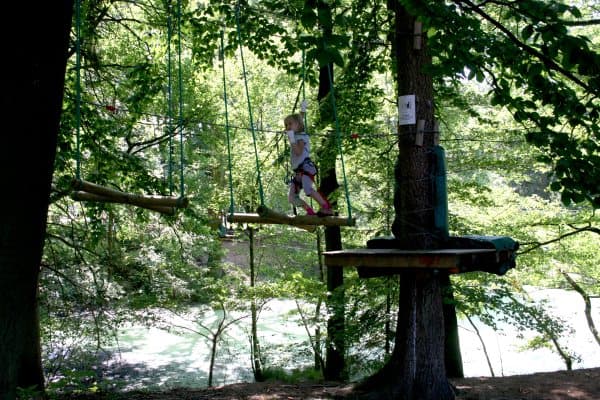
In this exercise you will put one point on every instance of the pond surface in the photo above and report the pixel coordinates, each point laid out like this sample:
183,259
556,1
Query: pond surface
154,358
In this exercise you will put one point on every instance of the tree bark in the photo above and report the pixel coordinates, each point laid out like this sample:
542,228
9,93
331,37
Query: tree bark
416,368
452,355
335,347
255,343
32,90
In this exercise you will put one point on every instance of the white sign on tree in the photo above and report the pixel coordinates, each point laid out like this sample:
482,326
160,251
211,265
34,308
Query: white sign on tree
406,110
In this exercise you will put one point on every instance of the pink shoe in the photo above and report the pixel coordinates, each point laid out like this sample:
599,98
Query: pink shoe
310,211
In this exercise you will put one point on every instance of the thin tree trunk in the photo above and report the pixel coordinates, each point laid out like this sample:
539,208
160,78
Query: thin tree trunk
588,306
213,349
319,363
388,318
335,347
452,354
255,351
483,346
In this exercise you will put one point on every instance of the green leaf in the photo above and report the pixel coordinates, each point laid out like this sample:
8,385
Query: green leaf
325,18
308,18
527,32
336,57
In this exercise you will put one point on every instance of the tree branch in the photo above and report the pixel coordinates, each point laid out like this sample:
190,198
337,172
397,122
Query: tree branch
588,305
536,245
551,64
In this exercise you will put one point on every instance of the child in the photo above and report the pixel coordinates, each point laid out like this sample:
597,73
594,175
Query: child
304,169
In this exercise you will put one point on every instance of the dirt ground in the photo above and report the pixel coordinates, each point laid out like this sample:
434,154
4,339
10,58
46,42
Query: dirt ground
581,384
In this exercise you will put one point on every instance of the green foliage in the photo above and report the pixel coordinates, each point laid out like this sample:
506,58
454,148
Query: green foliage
513,123
547,87
28,393
275,374
74,381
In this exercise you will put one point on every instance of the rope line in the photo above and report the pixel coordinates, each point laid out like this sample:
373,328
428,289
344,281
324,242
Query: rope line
229,164
170,113
304,88
169,118
180,119
339,140
345,135
170,97
260,186
78,88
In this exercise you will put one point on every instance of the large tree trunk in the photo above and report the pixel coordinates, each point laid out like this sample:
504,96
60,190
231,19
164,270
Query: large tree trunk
416,368
32,89
335,347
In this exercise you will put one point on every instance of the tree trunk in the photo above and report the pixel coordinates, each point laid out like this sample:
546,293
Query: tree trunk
452,355
32,90
416,368
255,351
335,347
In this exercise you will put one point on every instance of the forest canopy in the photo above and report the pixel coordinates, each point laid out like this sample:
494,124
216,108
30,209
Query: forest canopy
188,98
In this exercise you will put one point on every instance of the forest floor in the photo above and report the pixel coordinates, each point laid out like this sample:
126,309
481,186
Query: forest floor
581,384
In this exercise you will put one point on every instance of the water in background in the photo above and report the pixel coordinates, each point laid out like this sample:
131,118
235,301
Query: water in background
505,348
154,358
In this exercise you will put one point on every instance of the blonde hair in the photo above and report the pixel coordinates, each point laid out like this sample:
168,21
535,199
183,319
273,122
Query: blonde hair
296,118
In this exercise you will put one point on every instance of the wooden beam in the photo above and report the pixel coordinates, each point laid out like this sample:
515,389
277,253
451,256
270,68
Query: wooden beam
396,258
250,218
297,220
85,196
118,196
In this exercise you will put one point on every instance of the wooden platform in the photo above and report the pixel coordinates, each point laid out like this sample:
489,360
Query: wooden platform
453,259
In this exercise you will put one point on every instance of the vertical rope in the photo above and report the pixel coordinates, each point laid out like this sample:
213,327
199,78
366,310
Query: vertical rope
260,187
169,98
304,89
339,140
180,119
78,87
229,165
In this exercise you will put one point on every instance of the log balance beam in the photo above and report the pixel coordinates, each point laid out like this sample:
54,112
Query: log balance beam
265,215
87,191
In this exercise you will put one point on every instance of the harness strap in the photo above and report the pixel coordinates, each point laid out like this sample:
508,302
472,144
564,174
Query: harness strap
300,168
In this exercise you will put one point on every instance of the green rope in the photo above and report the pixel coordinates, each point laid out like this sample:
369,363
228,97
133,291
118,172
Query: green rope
260,187
170,98
229,164
171,128
78,87
339,140
180,119
304,89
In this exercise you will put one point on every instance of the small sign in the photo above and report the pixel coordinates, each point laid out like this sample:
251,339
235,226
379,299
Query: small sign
407,114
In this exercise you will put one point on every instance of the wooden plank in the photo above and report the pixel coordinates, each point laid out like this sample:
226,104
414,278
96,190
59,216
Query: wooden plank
85,196
296,220
118,196
396,258
253,218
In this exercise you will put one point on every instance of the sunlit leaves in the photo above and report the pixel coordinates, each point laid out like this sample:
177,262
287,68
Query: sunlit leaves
529,55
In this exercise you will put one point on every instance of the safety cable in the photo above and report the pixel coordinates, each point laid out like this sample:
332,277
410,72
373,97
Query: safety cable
339,140
229,164
260,186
